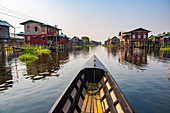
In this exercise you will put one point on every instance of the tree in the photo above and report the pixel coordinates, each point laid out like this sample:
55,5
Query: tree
159,34
168,33
164,33
85,39
151,37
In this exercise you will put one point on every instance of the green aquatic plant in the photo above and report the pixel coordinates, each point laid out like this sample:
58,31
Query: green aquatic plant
76,46
104,45
8,49
89,45
111,46
165,49
44,51
30,53
27,57
30,49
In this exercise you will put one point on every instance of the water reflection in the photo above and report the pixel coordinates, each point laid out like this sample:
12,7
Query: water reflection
24,83
6,59
157,54
47,65
112,51
138,58
80,51
133,58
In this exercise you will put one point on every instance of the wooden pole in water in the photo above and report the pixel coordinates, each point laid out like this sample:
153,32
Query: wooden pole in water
14,36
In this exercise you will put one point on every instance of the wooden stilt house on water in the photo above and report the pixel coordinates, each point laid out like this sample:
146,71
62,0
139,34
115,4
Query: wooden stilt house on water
135,37
4,32
38,33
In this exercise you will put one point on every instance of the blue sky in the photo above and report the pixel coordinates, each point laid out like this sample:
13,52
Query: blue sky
98,19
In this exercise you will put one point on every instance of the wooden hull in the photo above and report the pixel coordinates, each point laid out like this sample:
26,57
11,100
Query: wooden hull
93,90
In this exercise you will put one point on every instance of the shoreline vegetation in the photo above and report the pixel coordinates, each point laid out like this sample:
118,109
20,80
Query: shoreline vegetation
84,46
165,49
30,53
112,46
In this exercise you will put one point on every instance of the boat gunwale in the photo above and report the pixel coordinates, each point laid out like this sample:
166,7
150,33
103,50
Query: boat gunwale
118,90
63,93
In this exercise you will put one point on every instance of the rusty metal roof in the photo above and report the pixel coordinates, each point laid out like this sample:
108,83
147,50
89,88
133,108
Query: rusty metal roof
4,23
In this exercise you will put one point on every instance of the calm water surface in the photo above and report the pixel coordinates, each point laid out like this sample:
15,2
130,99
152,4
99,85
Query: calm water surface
142,75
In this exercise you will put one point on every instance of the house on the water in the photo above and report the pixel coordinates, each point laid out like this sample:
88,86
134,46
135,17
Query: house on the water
76,41
4,32
19,40
137,36
161,41
62,41
93,42
107,42
38,33
114,41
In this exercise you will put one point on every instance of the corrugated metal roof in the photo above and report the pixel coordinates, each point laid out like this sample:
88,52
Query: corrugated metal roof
136,30
16,36
39,23
4,23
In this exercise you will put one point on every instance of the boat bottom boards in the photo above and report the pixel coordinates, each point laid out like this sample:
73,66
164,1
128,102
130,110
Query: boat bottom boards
92,103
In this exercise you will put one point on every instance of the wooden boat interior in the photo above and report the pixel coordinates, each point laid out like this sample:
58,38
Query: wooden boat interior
93,90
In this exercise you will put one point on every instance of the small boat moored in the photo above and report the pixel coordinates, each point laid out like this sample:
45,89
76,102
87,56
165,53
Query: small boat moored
92,90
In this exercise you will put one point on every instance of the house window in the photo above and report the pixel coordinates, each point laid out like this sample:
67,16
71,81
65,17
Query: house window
43,28
139,36
48,29
36,28
52,30
133,36
144,36
44,38
28,28
36,38
28,38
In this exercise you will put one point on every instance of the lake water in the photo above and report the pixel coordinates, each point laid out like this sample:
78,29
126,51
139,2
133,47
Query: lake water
142,75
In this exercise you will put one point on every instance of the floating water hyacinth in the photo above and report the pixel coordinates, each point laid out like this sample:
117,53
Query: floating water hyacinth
30,54
27,58
44,51
165,49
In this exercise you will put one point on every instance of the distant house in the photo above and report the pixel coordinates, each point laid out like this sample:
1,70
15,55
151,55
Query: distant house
4,30
62,39
21,34
165,39
19,40
162,40
114,41
92,42
39,33
108,41
76,41
137,36
105,42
